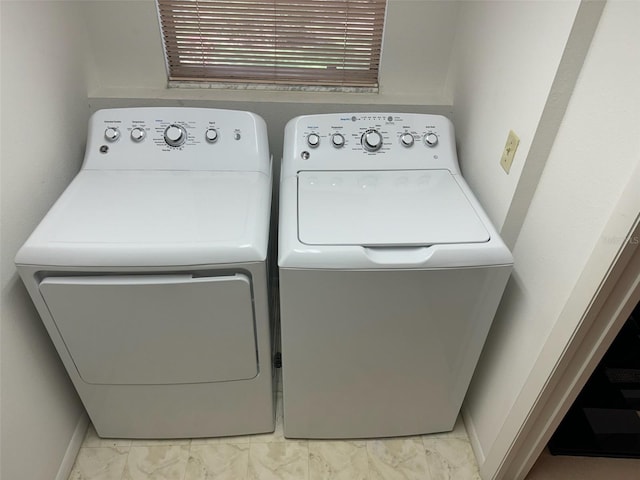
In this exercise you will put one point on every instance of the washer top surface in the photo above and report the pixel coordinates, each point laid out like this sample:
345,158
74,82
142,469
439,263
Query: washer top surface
385,208
379,191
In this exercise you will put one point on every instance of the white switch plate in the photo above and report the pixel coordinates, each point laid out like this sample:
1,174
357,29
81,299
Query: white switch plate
509,151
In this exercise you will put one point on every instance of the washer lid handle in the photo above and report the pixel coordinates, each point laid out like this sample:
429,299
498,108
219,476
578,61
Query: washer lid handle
401,256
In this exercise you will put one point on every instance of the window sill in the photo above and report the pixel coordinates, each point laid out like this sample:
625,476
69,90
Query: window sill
269,87
113,97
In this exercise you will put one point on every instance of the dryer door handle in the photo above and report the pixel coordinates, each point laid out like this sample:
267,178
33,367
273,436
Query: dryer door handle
400,256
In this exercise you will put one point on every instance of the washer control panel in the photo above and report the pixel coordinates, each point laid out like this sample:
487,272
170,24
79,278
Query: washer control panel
369,141
177,139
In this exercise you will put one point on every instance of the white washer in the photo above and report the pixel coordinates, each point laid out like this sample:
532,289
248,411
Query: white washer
150,274
390,275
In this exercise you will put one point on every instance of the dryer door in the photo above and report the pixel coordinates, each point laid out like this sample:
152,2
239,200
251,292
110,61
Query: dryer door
155,329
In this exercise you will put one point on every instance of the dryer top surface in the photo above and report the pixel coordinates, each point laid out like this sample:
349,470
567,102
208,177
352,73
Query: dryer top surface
154,218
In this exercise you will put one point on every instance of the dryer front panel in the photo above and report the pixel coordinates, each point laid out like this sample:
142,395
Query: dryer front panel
155,329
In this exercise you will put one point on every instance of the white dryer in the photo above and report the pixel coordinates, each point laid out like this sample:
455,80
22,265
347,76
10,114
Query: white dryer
150,274
390,275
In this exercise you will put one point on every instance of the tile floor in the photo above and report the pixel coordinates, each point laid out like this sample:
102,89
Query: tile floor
271,456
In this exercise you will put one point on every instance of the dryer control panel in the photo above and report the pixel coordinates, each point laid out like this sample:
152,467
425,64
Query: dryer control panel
177,139
369,141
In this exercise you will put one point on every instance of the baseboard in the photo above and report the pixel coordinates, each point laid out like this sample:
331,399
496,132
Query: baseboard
73,448
473,437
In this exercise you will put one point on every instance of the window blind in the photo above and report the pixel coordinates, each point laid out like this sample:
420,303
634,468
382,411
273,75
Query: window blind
295,42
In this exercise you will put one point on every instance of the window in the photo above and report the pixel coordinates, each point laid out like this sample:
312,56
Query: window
291,42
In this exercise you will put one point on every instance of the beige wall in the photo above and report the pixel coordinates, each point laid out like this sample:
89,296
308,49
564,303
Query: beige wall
44,118
596,150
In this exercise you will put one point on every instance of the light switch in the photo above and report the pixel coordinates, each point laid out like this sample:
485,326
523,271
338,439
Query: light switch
509,151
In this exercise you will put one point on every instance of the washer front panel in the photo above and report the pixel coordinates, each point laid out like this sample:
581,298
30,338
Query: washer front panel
381,353
385,208
155,329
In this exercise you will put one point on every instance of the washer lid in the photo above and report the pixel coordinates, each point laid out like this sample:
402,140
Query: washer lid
385,208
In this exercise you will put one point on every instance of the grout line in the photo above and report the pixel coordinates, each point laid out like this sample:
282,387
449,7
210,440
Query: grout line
186,467
126,463
249,460
308,461
246,472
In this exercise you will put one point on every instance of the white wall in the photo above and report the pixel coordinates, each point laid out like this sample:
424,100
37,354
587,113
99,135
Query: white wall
504,62
44,118
416,51
594,154
129,63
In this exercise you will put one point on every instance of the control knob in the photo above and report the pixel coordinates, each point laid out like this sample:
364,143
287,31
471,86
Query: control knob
211,135
313,140
175,135
406,139
337,139
371,140
431,139
111,134
138,134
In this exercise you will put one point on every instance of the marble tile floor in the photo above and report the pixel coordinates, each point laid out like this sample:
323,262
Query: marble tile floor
271,457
